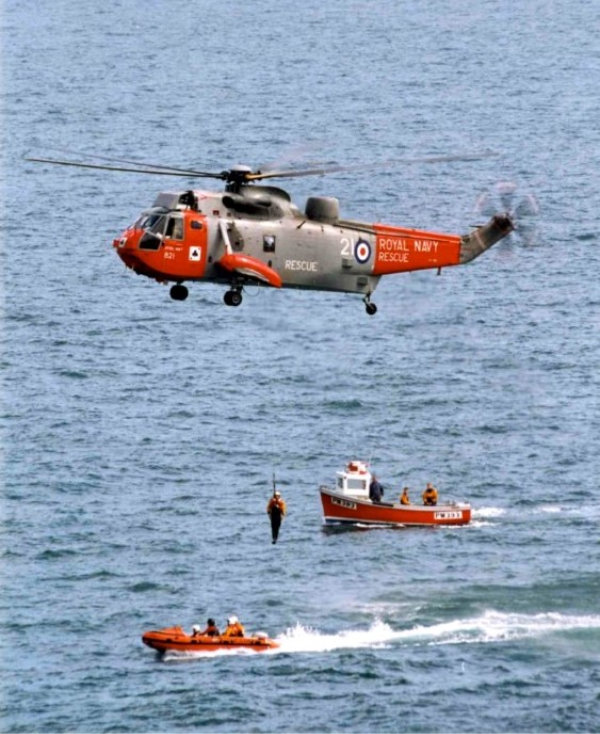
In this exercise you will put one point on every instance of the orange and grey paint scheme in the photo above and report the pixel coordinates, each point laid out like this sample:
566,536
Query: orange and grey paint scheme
257,235
254,234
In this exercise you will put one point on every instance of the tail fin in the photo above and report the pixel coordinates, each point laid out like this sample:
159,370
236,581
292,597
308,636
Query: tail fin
477,242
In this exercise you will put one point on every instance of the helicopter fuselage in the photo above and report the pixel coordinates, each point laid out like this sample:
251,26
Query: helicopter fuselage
255,234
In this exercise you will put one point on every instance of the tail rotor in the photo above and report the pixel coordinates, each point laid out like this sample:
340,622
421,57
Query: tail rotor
522,207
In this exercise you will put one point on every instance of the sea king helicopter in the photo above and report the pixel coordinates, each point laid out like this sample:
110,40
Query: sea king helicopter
252,233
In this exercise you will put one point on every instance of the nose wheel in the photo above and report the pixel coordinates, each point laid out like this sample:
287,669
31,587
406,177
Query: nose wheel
178,292
370,308
233,297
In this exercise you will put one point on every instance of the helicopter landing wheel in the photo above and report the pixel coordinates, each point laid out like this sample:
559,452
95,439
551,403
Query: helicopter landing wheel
370,308
179,292
233,298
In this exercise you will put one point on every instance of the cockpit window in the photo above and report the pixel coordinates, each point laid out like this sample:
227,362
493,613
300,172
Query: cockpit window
157,223
151,221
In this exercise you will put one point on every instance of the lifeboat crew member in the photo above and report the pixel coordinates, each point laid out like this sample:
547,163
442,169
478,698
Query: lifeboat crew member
375,490
234,627
211,629
430,495
404,498
276,509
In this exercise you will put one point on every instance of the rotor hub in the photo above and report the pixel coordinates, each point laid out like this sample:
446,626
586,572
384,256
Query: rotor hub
236,177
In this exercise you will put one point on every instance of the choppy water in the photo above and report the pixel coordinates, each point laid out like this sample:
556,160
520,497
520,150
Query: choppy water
140,435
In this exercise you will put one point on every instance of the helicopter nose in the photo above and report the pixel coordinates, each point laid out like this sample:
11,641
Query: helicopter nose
120,243
125,247
126,244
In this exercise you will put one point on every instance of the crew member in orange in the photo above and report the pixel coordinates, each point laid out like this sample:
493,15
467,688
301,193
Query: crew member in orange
211,629
234,628
404,498
276,509
430,495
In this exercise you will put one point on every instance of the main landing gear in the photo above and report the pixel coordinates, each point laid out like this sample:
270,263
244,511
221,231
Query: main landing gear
370,308
233,297
179,292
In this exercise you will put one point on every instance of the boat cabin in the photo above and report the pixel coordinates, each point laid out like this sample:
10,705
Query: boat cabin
354,480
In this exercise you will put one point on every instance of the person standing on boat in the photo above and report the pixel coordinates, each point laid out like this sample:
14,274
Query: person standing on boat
404,498
430,495
276,509
234,628
375,490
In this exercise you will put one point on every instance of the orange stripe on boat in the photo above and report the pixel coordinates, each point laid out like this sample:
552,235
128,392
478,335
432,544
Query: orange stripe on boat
175,639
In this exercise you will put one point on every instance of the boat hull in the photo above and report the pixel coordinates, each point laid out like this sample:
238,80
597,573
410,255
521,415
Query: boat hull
342,509
174,639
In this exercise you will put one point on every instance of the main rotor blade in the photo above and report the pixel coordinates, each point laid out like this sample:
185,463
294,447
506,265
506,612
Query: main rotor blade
234,175
79,156
296,174
154,169
134,162
369,166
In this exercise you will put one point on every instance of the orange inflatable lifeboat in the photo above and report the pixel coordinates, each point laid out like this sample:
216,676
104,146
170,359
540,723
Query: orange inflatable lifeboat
175,639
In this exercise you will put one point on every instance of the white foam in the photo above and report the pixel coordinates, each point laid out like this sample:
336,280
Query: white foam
305,639
491,626
488,511
181,656
553,509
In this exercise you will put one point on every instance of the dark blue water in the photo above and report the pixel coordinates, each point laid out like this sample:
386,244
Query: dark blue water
140,435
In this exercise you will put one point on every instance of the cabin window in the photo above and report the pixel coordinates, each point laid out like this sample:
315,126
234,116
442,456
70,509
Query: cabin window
174,229
340,483
269,243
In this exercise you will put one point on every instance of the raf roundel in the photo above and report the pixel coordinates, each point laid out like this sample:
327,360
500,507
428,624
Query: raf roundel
362,251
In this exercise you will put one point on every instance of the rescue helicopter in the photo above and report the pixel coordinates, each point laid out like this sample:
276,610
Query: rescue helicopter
252,233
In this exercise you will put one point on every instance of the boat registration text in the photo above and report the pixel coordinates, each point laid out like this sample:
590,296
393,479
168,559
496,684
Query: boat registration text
343,503
448,515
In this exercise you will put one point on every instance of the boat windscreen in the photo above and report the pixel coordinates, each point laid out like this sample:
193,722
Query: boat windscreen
357,484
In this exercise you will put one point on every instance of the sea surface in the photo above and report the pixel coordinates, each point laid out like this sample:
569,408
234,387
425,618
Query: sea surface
140,436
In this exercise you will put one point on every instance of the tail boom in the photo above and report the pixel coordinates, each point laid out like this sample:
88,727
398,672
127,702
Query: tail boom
399,249
481,239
